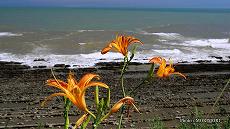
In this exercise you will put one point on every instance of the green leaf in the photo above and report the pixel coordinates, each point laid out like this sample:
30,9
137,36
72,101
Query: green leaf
84,125
107,101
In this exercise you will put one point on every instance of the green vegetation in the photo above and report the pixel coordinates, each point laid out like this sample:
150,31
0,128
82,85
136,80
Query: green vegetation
156,123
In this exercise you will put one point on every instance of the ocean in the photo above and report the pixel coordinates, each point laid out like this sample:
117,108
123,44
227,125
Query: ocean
75,36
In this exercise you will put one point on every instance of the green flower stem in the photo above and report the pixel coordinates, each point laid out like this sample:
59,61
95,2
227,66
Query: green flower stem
96,96
122,86
121,116
134,90
149,76
151,71
96,99
212,109
108,98
66,111
126,62
66,106
122,74
125,65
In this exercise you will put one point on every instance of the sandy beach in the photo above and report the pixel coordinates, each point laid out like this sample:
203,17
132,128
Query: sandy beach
24,88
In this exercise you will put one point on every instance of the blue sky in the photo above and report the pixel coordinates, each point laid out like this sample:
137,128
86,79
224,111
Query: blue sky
122,3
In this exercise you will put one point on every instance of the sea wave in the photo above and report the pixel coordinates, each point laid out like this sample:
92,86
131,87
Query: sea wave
188,50
167,51
89,60
49,60
89,30
168,36
98,55
9,34
82,43
213,43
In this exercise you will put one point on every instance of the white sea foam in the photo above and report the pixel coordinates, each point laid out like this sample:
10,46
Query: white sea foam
78,60
89,60
167,51
40,50
164,35
9,34
89,30
162,40
167,34
213,43
98,55
81,43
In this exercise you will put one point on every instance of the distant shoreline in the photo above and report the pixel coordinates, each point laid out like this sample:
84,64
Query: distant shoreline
121,8
133,67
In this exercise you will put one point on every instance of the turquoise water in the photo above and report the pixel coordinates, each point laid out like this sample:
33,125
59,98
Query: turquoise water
64,34
63,19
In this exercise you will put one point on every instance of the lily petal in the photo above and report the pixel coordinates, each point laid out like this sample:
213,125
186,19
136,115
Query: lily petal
135,107
178,73
117,48
86,79
156,60
106,49
168,70
122,101
121,44
80,97
132,40
51,96
161,69
94,84
71,81
57,83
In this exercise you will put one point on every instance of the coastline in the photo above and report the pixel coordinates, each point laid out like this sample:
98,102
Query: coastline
23,89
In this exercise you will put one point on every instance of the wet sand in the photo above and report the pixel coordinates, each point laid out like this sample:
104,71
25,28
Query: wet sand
23,89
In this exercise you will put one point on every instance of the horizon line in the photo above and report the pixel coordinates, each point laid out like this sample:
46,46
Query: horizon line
93,7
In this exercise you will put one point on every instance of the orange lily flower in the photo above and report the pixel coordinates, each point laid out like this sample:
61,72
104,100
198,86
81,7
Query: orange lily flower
75,91
126,100
121,44
164,71
156,60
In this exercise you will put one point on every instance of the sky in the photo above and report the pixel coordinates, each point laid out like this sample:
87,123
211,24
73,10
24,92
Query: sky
119,3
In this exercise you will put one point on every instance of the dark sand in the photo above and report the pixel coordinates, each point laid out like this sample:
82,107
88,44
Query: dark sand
23,89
